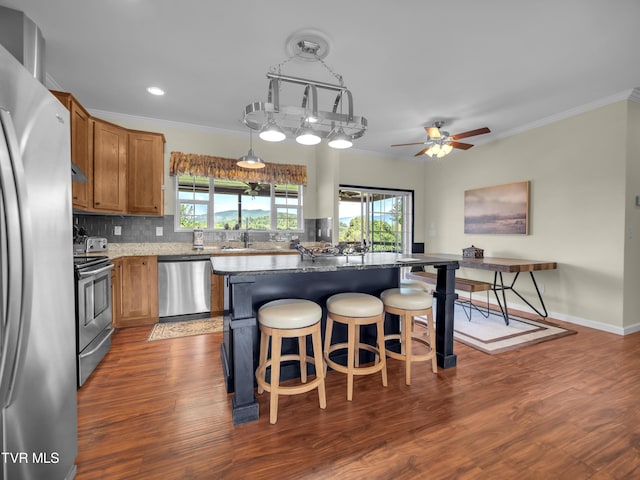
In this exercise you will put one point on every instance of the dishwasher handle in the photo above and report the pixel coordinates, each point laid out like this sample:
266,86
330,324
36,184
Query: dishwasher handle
183,258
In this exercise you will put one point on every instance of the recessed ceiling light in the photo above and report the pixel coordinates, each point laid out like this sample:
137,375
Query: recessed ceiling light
155,91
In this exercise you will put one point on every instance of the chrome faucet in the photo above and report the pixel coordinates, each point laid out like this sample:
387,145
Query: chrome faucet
245,238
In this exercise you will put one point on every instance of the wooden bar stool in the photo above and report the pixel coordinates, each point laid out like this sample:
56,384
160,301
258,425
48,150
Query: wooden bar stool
289,318
355,310
409,303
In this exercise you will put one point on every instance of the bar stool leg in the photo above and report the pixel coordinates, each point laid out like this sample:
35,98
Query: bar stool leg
356,342
351,354
407,321
302,349
381,349
276,347
319,363
327,341
264,348
432,340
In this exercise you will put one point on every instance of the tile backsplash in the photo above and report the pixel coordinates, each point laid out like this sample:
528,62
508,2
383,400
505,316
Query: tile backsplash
139,229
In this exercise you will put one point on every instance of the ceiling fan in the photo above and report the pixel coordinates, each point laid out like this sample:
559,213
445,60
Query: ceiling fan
439,143
253,189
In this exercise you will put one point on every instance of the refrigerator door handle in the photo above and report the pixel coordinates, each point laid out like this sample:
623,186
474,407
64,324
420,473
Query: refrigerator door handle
19,262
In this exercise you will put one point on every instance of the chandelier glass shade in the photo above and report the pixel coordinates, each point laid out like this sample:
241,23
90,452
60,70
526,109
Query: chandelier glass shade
307,121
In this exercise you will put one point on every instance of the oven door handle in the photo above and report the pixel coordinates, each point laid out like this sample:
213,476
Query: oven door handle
88,273
97,347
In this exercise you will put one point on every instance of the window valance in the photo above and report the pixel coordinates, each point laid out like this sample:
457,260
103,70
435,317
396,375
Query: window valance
226,168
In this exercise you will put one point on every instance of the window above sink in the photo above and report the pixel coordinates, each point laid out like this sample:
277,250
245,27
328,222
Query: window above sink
216,204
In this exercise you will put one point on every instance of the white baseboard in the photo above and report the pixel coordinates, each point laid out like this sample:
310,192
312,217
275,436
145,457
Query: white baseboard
585,322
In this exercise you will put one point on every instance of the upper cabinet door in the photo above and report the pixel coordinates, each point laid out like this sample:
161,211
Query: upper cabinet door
109,167
82,192
146,173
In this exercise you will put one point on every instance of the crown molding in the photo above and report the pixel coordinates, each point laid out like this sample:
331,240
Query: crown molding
635,95
587,107
107,115
51,83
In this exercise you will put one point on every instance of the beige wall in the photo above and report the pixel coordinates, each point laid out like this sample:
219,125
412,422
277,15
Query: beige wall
582,200
577,211
632,230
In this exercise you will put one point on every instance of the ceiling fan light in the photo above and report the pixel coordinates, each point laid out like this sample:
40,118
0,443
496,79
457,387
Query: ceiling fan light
340,140
433,151
272,132
308,137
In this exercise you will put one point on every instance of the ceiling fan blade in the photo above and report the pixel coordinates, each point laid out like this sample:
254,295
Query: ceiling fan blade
461,146
470,133
406,144
433,132
421,152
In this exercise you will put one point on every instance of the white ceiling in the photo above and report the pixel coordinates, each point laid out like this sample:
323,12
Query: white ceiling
505,64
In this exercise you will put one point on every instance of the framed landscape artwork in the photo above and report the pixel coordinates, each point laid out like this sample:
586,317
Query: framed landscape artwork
500,209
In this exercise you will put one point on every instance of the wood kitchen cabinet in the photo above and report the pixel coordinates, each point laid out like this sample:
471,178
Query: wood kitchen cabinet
82,193
217,294
109,167
124,167
135,291
145,173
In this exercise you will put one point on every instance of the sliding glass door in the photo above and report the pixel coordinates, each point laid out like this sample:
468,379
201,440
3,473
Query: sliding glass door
381,218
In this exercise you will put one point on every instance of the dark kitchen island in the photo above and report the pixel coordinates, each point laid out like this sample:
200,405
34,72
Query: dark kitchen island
251,281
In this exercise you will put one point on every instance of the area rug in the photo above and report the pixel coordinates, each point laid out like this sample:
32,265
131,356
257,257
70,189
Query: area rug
491,335
162,331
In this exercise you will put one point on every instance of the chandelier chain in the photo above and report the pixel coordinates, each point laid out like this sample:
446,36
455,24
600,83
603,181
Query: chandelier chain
331,71
278,68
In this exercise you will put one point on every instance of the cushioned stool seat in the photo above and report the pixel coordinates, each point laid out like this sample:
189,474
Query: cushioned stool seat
354,310
409,303
406,283
289,318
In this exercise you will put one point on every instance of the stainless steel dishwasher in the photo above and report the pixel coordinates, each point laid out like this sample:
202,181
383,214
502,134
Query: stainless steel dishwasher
184,287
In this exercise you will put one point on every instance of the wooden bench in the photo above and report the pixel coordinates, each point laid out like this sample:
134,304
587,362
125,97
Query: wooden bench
463,284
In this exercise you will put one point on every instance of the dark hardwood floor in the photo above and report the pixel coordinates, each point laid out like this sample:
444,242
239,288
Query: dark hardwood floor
568,408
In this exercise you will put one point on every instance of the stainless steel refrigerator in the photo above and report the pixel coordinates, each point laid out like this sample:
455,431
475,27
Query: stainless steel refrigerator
37,328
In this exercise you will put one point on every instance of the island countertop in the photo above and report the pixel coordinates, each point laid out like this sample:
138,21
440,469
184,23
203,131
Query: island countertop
267,264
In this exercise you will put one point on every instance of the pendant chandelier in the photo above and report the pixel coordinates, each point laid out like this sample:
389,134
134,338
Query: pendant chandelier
307,122
250,160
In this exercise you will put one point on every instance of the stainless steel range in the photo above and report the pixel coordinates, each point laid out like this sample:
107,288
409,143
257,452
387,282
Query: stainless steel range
93,312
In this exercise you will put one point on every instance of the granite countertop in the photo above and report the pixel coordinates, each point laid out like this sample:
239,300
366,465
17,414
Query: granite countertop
115,250
257,265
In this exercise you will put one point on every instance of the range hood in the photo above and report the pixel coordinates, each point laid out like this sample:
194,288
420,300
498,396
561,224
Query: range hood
23,39
77,175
